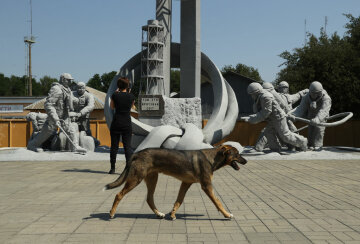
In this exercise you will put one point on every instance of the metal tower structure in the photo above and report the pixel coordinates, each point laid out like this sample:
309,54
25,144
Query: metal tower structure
152,58
163,15
29,40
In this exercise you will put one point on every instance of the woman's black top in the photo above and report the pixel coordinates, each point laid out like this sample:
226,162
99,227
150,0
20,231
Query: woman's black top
123,102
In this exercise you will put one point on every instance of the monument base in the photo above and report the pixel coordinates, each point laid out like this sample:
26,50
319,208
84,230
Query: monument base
151,120
174,112
180,111
161,110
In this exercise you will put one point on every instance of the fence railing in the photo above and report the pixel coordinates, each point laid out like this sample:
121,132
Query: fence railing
16,133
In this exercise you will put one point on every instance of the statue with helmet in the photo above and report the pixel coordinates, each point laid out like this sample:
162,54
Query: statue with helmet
283,89
84,104
266,108
315,106
262,140
270,88
58,105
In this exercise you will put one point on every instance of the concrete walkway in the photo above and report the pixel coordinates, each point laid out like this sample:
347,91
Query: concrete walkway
293,201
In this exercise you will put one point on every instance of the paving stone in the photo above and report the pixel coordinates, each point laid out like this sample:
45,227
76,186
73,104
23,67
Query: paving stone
310,201
96,238
40,238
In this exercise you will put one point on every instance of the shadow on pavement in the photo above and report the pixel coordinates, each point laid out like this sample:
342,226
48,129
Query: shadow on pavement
196,217
84,171
106,216
106,149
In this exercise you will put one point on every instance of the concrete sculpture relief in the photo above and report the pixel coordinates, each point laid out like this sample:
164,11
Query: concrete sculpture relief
315,106
290,99
262,140
266,108
38,120
83,105
222,120
60,107
314,110
184,131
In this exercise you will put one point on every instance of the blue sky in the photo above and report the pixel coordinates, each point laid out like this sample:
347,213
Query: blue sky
85,37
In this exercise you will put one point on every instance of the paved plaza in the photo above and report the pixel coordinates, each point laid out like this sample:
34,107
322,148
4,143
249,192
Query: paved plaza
286,201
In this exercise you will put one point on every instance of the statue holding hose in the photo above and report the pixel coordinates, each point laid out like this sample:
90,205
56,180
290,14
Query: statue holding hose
314,106
266,108
314,110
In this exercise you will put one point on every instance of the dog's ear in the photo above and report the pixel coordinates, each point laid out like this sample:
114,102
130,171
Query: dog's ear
225,149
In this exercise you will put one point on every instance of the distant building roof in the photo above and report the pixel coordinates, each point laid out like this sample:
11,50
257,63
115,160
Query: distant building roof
245,78
20,100
99,98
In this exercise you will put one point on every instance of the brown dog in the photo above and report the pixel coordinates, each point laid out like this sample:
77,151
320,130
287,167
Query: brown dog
191,166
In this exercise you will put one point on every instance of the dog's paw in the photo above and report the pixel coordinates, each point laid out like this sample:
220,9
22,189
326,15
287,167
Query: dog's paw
172,217
160,215
231,216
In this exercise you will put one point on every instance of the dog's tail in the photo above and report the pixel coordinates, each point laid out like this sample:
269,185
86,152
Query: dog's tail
119,180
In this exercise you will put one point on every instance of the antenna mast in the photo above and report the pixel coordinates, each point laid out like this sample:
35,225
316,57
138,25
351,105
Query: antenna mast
305,33
326,22
29,40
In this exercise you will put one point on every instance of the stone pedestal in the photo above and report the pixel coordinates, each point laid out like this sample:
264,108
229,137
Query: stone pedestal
161,110
179,111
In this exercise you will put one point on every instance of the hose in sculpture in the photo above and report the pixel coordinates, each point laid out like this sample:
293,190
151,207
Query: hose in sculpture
346,115
77,148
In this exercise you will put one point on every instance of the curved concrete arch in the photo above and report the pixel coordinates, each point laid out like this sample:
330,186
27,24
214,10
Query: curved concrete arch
231,113
158,135
225,109
194,135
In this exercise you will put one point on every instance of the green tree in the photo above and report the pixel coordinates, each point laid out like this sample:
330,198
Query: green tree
353,32
102,82
45,84
4,85
15,85
37,89
244,70
95,82
175,80
334,61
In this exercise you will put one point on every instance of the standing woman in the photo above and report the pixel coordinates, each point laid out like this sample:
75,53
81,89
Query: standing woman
122,101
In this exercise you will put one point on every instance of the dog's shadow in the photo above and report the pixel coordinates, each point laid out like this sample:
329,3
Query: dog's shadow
106,216
85,171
